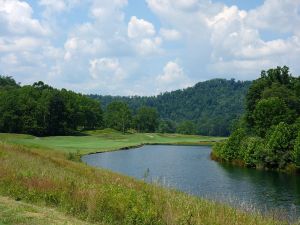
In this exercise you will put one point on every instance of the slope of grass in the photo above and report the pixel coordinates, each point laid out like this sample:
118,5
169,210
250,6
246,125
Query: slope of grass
103,140
46,178
19,213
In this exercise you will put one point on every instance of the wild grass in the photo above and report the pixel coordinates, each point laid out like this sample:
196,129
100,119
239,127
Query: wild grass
19,213
46,178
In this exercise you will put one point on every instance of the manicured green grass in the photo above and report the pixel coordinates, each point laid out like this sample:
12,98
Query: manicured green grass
103,140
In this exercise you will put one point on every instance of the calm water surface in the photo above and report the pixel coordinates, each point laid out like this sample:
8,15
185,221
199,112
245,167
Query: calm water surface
189,168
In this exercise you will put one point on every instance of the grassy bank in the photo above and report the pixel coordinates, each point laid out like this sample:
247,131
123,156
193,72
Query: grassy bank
104,140
45,178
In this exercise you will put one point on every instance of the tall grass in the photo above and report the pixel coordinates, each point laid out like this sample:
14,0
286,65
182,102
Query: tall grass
48,178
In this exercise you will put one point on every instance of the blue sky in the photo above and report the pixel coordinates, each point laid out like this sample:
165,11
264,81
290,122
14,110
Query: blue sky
145,47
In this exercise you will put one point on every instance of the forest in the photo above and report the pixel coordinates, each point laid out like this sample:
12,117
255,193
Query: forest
208,108
268,133
42,110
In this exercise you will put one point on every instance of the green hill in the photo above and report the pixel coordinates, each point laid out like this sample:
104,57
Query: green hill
212,105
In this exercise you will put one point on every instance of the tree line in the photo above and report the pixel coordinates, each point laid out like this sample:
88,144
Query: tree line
208,108
268,134
42,110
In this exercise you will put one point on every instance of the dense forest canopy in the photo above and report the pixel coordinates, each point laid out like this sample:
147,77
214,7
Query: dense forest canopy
42,110
213,106
209,108
268,134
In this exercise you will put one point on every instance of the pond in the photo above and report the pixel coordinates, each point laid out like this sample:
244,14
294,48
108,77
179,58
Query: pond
190,169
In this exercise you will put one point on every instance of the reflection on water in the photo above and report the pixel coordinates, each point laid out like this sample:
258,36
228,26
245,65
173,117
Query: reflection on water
189,168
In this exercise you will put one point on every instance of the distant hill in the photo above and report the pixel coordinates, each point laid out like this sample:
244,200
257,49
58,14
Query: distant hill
212,105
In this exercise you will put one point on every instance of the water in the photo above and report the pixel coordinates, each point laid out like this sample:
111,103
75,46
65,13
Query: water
189,169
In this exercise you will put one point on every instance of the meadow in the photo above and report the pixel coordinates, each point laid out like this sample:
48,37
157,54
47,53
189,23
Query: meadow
40,183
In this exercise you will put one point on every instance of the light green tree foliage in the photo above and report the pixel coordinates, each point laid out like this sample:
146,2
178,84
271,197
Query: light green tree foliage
253,151
296,152
231,148
279,145
118,116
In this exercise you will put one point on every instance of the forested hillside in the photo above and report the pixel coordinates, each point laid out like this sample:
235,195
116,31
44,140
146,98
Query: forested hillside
268,134
213,106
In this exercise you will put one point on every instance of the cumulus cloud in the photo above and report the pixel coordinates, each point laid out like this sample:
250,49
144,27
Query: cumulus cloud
106,73
16,17
274,15
138,28
75,47
170,34
173,77
143,37
230,38
107,50
58,5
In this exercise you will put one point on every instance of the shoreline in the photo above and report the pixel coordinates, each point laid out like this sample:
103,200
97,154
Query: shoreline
144,144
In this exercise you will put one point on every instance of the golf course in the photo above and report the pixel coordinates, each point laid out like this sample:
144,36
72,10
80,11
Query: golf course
42,181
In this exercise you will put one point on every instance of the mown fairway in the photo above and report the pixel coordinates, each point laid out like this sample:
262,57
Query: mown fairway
103,140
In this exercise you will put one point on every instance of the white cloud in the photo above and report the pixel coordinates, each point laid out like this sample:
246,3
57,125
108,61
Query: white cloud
173,77
108,10
139,28
106,69
97,52
148,46
76,47
217,36
20,44
274,15
16,17
170,34
143,39
58,5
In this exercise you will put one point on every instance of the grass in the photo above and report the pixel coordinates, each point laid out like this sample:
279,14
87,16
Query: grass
103,140
20,213
38,180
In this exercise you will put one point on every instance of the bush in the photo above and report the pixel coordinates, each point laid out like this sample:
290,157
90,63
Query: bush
279,145
231,148
253,150
296,151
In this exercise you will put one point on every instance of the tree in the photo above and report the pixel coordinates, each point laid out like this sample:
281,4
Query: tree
186,127
118,116
39,109
253,151
279,145
211,105
56,120
6,81
296,151
269,112
166,126
146,119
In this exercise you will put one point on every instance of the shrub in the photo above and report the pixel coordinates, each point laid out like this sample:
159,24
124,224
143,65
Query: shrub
296,151
279,145
253,150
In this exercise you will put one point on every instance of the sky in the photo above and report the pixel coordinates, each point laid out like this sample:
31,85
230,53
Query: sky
145,47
